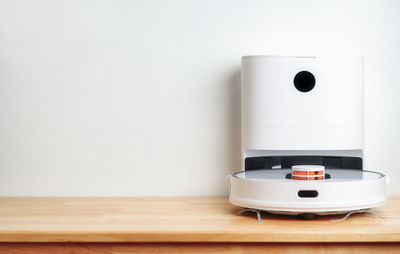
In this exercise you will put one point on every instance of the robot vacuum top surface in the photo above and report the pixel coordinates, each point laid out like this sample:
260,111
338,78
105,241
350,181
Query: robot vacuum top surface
336,175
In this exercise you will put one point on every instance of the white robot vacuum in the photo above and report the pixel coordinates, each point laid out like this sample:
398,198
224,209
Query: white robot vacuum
303,137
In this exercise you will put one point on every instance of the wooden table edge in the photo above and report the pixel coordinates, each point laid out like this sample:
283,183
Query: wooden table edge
182,237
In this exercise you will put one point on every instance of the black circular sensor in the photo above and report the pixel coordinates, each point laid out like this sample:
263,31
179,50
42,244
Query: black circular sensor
304,81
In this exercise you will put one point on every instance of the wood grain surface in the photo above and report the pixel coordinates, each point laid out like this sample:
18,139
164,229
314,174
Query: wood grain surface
125,248
179,220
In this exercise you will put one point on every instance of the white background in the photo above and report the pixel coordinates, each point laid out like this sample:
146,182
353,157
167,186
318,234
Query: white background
142,98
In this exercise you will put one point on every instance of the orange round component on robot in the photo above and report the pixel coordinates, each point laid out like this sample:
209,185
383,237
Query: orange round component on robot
296,172
316,178
300,178
314,173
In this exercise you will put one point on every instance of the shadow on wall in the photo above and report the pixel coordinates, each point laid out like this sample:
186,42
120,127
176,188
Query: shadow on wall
234,115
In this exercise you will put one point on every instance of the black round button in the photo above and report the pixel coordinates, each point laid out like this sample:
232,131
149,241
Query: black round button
304,81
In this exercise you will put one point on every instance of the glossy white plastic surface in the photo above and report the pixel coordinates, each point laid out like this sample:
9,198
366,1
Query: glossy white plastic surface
280,120
345,191
277,116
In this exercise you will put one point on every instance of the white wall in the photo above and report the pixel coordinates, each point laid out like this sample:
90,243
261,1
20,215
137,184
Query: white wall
142,98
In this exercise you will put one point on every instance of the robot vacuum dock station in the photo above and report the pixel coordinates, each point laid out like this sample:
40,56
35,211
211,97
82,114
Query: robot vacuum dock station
303,137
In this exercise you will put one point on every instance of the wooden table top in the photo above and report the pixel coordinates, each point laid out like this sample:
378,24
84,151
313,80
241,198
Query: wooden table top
179,220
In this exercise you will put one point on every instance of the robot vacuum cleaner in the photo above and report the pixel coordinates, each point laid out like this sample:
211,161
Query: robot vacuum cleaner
303,137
